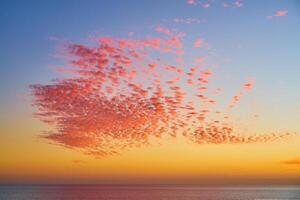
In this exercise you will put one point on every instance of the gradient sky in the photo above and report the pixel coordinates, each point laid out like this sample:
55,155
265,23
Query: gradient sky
245,41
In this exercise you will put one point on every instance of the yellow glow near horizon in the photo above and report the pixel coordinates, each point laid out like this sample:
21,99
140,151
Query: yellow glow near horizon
25,157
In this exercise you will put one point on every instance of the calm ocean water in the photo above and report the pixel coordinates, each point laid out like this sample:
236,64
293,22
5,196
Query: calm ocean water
102,192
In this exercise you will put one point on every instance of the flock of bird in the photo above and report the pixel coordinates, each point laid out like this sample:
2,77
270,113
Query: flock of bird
128,93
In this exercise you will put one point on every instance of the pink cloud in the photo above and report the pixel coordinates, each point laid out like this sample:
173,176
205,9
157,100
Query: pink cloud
164,30
125,94
191,2
281,13
198,43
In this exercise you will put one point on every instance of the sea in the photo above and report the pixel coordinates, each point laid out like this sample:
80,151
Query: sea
147,192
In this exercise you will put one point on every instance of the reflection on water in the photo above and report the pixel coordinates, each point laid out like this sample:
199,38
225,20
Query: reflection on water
105,192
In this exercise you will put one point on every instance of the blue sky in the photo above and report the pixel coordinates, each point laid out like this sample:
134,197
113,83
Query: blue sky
262,48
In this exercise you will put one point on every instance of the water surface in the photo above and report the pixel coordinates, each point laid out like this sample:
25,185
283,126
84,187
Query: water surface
109,192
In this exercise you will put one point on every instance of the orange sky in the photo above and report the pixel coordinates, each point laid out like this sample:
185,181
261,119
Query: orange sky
25,158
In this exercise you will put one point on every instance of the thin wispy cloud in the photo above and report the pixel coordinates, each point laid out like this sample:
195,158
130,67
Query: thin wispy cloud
295,161
205,4
188,21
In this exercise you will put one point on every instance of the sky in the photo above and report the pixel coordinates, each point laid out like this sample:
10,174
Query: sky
244,52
